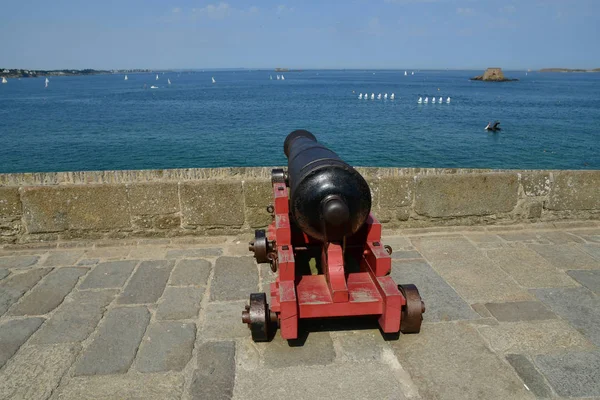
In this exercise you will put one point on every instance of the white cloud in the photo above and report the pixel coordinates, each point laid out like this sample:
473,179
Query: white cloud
218,11
282,8
176,10
510,9
467,12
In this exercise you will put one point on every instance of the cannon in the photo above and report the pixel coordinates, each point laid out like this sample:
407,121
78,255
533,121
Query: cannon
325,246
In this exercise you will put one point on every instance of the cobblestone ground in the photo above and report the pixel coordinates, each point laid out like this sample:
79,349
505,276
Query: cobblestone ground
511,314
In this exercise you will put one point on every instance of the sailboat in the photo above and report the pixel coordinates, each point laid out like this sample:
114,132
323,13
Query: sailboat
420,100
278,77
126,78
213,80
282,77
4,80
156,76
168,81
47,82
271,77
448,100
412,73
393,96
405,73
441,100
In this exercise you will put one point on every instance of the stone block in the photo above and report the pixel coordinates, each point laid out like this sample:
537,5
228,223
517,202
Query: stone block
401,254
234,279
76,318
214,377
395,191
536,183
112,274
442,302
317,350
534,210
212,203
167,222
529,374
222,321
575,374
147,283
469,194
4,273
359,346
194,253
142,221
113,349
148,253
36,371
258,217
559,237
167,347
18,261
520,311
108,253
575,190
593,250
63,258
50,292
451,361
180,303
153,198
190,273
589,279
13,287
258,193
13,334
10,203
566,256
131,386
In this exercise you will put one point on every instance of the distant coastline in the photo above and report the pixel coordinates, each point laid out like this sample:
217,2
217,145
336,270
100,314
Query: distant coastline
569,70
33,73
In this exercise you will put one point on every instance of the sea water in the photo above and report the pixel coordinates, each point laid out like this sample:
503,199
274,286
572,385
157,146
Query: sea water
102,122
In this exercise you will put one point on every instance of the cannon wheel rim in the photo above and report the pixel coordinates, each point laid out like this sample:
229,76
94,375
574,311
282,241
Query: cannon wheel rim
412,312
260,246
259,317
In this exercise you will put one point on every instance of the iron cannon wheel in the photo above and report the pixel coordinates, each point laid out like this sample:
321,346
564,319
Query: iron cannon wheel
258,317
260,246
412,312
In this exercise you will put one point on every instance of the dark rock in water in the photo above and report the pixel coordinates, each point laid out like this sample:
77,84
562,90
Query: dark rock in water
493,75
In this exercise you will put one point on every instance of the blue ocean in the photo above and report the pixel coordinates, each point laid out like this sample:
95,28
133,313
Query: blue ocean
103,122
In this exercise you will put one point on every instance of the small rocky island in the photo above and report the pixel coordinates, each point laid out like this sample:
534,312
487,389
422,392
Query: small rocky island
493,75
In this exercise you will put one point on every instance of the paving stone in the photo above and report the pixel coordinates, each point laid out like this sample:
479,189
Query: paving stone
190,272
76,318
399,255
593,250
224,321
479,238
63,258
566,256
451,361
215,376
147,283
18,261
358,346
147,252
113,349
317,350
397,242
50,292
14,333
481,310
534,337
559,237
194,253
88,261
520,236
167,346
138,387
476,278
352,381
112,274
13,287
530,376
579,306
520,311
528,268
589,279
4,273
441,301
180,303
108,252
36,370
575,374
234,279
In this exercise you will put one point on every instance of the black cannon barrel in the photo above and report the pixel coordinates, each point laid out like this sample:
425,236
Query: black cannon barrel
328,198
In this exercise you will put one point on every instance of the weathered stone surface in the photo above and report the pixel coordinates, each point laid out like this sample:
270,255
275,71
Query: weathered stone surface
559,237
13,287
194,253
440,359
534,210
180,303
566,256
352,381
212,203
111,274
190,273
113,349
35,372
48,294
4,273
589,279
13,334
574,374
530,376
258,193
579,306
534,337
58,208
593,250
167,222
108,253
475,277
461,195
153,198
234,279
87,262
76,318
317,350
442,302
398,255
221,321
258,217
359,346
520,236
138,387
167,346
483,238
536,183
63,258
575,190
18,261
215,376
10,204
395,191
528,268
520,311
147,283
147,253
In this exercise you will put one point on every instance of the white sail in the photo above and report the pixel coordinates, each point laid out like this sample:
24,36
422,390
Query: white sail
168,81
441,100
385,96
405,73
4,80
412,73
47,82
271,77
420,100
372,96
126,78
433,100
156,76
282,77
393,96
360,96
379,96
278,77
448,100
426,100
213,80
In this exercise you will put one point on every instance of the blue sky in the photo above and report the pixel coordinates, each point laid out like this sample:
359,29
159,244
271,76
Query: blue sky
404,34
